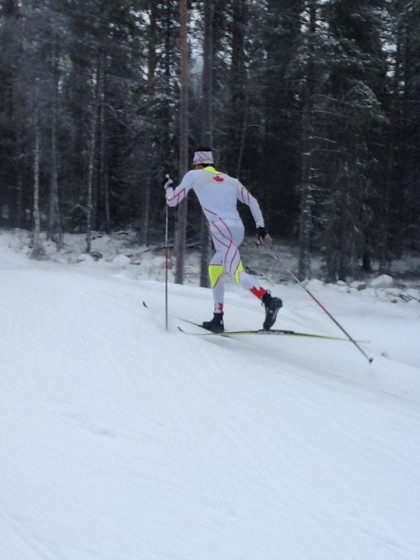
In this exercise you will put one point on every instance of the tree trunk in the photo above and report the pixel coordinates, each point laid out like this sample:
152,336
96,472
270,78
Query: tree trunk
103,170
207,132
91,161
238,109
144,229
37,249
183,143
306,198
54,219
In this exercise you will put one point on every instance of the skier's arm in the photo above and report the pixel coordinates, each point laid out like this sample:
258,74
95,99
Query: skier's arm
246,197
177,195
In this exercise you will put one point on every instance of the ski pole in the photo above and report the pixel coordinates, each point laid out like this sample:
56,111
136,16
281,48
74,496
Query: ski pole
281,263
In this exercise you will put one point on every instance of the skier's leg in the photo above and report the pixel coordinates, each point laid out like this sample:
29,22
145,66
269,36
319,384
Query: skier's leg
218,289
227,236
233,262
216,282
234,266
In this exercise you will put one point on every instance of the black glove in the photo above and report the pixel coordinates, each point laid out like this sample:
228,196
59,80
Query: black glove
264,238
261,234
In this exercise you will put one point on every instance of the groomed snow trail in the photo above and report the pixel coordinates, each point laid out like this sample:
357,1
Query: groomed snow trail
121,441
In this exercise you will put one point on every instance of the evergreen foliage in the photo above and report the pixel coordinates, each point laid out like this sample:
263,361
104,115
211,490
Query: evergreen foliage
314,105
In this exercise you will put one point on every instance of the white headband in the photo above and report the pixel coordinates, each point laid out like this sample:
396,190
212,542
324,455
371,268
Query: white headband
203,158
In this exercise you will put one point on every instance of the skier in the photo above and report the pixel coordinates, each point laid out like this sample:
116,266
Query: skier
218,194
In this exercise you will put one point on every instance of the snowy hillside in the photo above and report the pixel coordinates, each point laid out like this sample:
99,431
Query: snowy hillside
122,441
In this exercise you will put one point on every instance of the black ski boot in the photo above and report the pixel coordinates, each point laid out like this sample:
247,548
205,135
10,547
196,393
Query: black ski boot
216,324
272,306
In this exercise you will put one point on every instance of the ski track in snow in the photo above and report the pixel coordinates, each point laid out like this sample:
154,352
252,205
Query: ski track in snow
122,441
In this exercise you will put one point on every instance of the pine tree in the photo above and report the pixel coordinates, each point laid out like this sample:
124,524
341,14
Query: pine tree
11,114
180,238
351,120
207,126
405,223
306,185
281,169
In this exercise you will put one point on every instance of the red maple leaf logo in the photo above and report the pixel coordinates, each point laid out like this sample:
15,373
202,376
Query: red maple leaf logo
218,179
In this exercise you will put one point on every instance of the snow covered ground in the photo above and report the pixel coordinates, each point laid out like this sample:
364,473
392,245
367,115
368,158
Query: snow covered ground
122,441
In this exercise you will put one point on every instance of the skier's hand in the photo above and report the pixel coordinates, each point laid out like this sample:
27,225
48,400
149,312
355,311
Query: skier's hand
264,238
169,184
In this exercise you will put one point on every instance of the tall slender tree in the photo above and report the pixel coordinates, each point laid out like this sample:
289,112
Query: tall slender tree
406,182
237,89
183,140
354,120
37,247
207,126
12,119
307,178
281,171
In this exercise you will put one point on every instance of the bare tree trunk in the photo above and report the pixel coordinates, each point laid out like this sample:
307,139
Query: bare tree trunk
89,206
395,182
19,200
242,138
306,198
151,74
54,220
238,99
207,133
145,219
183,143
37,249
17,114
207,87
103,171
91,164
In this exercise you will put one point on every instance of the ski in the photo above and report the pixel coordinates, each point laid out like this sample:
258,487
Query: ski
259,332
251,332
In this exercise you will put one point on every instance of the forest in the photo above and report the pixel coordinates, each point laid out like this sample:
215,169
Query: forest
313,104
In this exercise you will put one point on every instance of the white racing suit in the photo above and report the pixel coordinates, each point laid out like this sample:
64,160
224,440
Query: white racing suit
218,195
